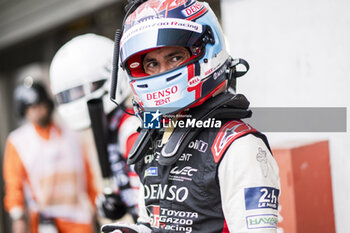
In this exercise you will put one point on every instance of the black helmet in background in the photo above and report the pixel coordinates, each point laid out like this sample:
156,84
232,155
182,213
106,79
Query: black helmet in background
31,93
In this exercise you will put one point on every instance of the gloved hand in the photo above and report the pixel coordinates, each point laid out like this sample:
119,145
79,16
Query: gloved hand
125,228
110,206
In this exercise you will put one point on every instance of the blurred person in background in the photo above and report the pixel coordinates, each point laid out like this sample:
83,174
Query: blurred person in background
216,178
81,72
46,172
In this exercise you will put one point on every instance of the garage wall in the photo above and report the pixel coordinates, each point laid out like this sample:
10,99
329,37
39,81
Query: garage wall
299,54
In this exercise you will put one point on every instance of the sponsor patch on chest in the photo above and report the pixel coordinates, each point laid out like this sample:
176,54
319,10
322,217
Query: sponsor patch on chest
151,171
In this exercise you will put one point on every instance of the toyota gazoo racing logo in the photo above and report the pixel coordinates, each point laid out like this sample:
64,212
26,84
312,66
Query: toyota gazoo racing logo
171,220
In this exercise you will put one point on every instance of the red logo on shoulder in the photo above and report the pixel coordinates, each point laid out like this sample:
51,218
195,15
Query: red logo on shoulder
227,134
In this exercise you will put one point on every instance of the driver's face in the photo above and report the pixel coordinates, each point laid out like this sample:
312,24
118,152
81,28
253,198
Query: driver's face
164,59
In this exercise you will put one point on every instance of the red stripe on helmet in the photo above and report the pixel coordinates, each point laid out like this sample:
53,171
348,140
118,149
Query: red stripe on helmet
198,87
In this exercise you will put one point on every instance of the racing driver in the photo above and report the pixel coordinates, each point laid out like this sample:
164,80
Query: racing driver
196,176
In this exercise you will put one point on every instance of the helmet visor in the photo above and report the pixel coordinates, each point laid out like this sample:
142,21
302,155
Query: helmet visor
70,95
78,92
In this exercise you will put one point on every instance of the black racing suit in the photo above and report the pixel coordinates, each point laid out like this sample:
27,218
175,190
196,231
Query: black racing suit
224,181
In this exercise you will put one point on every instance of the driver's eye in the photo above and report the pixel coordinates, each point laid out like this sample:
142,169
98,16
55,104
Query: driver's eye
164,59
152,64
176,58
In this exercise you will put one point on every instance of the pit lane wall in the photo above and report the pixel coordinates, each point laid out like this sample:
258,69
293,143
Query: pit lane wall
306,201
299,56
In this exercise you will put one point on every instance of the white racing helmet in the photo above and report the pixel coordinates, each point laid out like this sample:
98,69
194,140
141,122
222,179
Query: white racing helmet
81,70
187,23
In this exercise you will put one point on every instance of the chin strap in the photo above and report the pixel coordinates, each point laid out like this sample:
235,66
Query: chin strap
223,106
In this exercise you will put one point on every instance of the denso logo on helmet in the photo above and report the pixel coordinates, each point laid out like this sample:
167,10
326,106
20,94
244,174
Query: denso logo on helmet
164,96
193,9
156,95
